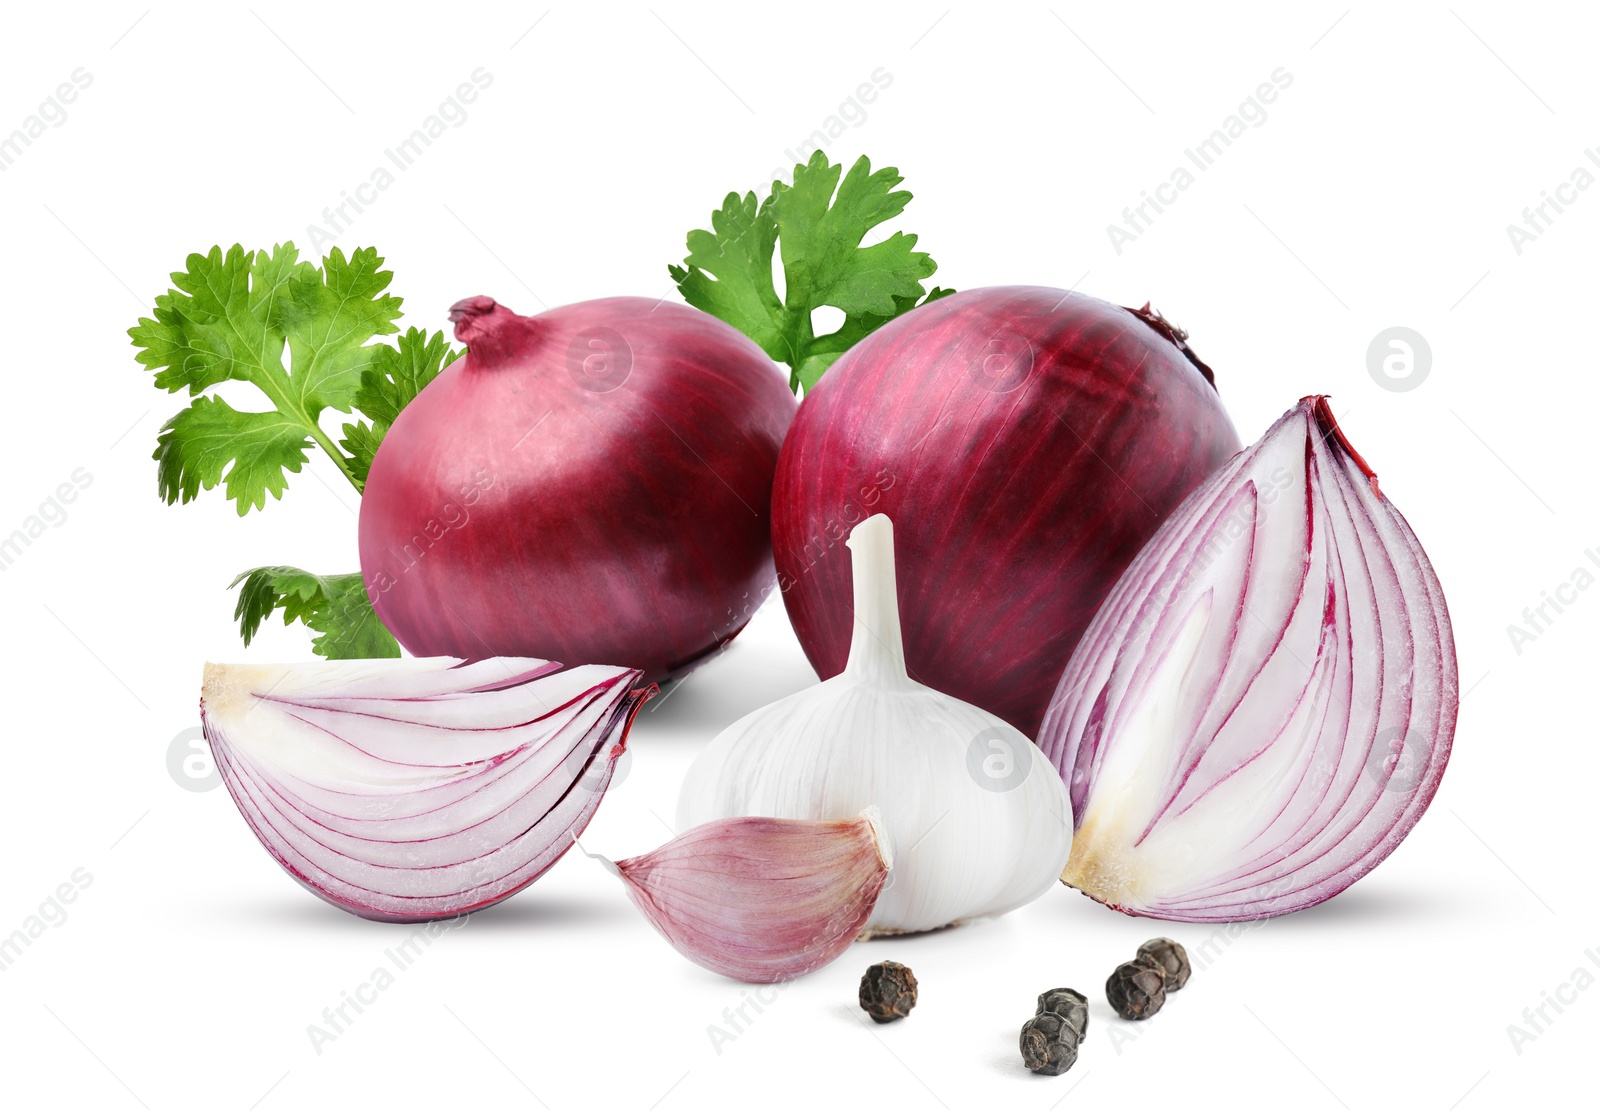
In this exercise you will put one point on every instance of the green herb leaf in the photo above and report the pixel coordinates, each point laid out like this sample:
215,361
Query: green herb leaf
234,316
394,376
817,225
336,607
360,442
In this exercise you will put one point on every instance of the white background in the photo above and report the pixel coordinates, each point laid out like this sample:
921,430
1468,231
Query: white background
1377,193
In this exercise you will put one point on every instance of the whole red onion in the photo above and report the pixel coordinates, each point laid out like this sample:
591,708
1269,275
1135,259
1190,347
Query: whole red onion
590,485
1026,442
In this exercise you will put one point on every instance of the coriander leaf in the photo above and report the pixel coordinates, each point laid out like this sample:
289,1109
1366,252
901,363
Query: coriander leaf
394,376
197,446
329,323
234,316
729,272
398,373
817,224
360,443
335,607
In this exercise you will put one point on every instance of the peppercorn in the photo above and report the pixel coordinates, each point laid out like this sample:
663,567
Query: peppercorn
1049,1043
1068,1004
1168,956
888,991
1137,990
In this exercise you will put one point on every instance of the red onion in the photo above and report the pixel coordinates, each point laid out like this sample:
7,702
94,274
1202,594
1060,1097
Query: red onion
591,484
408,790
1025,442
1264,706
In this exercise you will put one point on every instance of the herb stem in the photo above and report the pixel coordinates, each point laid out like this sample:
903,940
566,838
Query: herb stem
325,442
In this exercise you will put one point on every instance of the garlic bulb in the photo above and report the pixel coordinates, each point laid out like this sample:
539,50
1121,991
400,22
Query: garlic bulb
977,818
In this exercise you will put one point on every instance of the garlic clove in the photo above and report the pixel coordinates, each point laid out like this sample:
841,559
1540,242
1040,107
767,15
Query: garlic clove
413,789
759,898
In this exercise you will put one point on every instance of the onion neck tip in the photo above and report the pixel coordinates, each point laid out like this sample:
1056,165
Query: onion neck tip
491,331
1328,425
1175,335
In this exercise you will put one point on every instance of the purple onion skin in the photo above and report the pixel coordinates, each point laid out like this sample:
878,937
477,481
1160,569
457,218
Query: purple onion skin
591,485
1026,442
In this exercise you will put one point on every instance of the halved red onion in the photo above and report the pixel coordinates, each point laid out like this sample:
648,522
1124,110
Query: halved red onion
409,790
1264,705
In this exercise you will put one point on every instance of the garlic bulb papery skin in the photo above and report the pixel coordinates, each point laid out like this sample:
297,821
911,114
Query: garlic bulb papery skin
1264,705
405,790
977,818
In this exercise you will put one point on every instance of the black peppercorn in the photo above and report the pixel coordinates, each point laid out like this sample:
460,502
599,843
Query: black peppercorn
1136,990
1049,1043
1068,1004
888,991
1169,957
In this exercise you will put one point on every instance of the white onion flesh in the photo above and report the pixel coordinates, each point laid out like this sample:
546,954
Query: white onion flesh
1264,705
409,790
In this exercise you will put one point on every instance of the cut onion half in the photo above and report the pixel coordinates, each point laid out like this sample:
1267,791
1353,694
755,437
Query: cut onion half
410,790
1264,705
